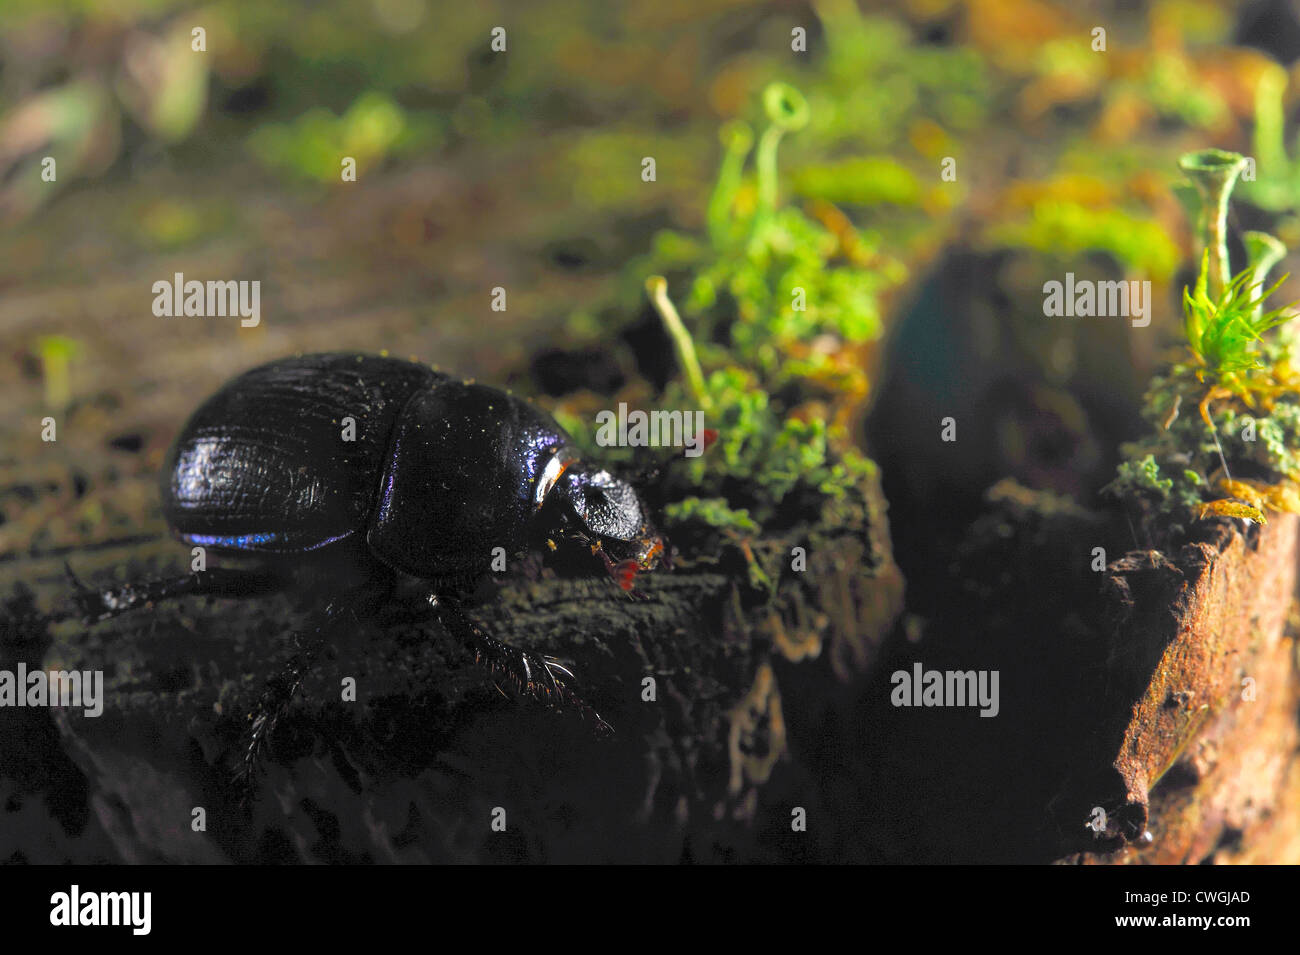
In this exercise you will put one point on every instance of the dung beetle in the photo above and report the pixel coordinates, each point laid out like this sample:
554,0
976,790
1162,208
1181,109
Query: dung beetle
392,471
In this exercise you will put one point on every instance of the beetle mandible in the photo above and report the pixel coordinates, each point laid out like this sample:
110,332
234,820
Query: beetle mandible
438,473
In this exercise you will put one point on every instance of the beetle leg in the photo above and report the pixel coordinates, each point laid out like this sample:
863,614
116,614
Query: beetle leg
92,605
535,675
276,699
271,708
553,664
281,689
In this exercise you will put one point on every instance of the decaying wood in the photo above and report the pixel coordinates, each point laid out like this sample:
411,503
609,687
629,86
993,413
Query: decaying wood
415,769
1199,744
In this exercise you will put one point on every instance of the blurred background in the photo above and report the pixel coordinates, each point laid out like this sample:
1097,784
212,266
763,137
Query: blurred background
478,169
522,169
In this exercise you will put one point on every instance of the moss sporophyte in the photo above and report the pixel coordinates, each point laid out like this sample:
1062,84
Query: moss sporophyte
1226,416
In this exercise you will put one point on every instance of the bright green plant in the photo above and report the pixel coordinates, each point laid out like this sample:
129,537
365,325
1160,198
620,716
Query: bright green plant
774,279
1224,334
1243,385
777,305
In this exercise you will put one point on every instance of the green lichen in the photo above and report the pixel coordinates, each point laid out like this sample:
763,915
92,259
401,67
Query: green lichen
1276,184
774,282
1226,418
1144,476
774,304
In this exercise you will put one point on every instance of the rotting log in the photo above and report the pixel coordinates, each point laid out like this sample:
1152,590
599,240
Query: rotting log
417,767
1100,698
1199,744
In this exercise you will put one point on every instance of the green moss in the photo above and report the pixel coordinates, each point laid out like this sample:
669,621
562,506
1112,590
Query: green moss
1224,334
1231,410
712,511
1143,476
773,302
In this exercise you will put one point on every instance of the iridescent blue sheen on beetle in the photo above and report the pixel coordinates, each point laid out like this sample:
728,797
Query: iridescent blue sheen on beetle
394,471
439,473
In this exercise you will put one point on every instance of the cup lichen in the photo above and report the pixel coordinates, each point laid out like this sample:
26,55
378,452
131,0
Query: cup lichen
777,305
1225,418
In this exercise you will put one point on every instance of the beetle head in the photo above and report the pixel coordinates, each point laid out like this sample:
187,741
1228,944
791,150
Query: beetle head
607,515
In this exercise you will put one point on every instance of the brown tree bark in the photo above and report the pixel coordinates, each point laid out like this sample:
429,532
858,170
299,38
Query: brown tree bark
1200,747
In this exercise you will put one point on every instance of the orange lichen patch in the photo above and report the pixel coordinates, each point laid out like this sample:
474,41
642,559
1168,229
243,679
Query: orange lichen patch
1244,491
1214,394
1234,75
1010,32
1122,118
1251,498
1253,389
929,139
1284,497
1225,507
846,234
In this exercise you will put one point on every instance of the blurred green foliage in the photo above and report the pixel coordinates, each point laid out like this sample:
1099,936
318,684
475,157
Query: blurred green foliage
304,83
372,128
877,81
860,180
1276,185
586,90
1064,230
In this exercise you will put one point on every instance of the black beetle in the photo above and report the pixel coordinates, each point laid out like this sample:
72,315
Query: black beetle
396,471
